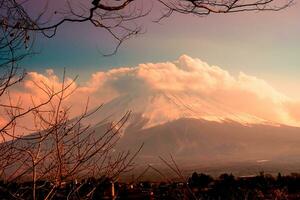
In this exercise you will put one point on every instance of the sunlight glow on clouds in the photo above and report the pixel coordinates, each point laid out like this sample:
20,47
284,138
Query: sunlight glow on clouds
211,92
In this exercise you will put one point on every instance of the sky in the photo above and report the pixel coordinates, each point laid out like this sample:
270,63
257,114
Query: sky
243,67
264,44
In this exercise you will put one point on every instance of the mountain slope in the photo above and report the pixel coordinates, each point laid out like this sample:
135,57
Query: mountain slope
194,141
156,108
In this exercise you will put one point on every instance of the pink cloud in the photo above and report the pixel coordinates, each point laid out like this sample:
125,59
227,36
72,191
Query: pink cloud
196,89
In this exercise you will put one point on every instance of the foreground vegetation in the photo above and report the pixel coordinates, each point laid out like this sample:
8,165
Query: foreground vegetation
198,186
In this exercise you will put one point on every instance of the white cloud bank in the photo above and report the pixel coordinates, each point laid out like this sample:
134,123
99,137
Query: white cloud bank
195,89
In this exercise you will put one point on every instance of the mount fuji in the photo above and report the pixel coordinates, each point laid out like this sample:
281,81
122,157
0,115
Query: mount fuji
196,112
199,113
198,132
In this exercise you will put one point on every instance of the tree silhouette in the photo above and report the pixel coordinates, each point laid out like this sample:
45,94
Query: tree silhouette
60,149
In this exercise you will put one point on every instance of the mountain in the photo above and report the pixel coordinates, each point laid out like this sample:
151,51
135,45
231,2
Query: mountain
197,130
193,141
152,108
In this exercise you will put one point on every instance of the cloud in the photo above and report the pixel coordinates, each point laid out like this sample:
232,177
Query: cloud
208,92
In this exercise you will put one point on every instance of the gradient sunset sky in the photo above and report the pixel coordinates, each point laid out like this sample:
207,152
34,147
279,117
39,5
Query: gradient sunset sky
262,44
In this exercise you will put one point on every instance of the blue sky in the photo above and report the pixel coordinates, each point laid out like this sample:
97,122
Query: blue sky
264,44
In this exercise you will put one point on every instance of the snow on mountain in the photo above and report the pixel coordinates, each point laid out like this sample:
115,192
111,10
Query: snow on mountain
156,108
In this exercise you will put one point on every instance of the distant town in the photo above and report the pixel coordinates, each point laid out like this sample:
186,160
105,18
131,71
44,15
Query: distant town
197,186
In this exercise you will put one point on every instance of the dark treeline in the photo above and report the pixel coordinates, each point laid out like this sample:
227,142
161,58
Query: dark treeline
198,186
262,186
